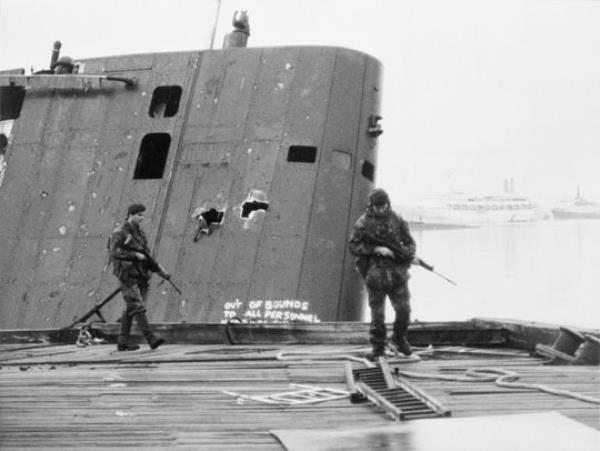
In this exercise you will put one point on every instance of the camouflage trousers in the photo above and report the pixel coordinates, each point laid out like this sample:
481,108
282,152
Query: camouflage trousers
400,299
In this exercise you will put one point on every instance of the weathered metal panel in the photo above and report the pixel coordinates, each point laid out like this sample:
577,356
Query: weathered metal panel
71,176
223,92
134,122
131,63
309,96
105,185
87,265
7,260
232,93
52,262
42,186
333,194
16,192
57,126
195,187
68,197
290,107
74,183
352,286
270,103
15,299
89,111
28,127
42,300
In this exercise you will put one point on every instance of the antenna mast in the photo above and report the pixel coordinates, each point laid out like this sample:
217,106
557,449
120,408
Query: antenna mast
214,31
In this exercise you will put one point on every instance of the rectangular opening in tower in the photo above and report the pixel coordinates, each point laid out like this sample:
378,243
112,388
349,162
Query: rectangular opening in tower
152,158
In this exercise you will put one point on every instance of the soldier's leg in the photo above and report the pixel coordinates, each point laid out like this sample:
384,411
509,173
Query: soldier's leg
142,319
131,298
400,299
125,328
377,330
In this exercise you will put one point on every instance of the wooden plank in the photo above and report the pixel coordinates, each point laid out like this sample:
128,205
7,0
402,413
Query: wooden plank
96,396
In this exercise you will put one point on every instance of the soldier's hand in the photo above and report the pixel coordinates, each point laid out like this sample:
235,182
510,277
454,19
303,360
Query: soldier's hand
384,251
165,275
140,256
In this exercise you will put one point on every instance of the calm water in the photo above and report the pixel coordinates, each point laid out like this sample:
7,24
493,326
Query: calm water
547,271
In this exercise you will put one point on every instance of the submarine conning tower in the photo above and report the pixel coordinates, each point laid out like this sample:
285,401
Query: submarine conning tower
254,164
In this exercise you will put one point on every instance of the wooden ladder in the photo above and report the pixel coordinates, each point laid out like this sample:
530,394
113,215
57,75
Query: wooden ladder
400,399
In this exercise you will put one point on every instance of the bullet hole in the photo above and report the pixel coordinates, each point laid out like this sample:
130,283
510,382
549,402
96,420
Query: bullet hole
213,216
256,201
249,207
208,221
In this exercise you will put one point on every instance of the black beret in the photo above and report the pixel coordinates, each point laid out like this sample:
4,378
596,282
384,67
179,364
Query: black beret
134,209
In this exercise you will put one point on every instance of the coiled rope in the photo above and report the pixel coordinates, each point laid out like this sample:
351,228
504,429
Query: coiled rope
501,377
506,379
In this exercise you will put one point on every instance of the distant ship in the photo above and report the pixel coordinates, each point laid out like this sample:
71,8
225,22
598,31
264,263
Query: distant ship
577,208
464,210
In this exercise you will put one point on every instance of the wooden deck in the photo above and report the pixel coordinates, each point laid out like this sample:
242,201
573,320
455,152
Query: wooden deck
64,396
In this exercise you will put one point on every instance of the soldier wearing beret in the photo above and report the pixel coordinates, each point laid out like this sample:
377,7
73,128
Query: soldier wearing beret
131,260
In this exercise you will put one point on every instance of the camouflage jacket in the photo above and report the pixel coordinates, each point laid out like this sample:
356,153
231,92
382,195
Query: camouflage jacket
389,230
125,241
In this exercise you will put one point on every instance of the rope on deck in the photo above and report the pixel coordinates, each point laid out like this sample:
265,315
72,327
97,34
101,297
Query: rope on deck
499,376
348,354
506,379
324,355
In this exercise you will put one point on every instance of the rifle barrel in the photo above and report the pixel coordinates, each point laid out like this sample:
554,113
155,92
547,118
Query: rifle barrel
173,285
429,267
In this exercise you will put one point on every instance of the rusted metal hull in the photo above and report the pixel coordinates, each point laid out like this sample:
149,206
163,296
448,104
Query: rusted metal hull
275,139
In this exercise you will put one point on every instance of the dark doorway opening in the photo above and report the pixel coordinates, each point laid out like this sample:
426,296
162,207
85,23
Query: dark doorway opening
11,102
152,158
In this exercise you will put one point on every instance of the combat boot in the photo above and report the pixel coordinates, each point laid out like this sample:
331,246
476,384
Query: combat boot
374,355
402,345
146,330
156,343
127,347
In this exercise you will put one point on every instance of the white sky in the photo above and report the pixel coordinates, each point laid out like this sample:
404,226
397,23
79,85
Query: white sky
474,91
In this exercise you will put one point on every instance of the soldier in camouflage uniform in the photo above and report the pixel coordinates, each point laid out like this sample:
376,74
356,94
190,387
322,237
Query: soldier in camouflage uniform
385,272
128,253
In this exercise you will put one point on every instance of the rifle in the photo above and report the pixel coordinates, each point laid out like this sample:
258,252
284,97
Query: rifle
398,251
428,267
95,310
154,266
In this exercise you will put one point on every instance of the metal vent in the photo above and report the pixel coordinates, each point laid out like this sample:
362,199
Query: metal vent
400,399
